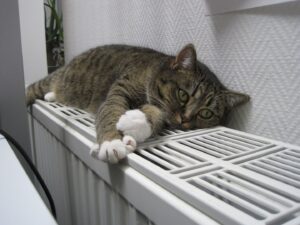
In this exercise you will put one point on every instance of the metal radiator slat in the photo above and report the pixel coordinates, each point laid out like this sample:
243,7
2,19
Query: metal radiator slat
216,175
80,196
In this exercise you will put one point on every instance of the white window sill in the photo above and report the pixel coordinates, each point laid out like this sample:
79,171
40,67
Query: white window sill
20,202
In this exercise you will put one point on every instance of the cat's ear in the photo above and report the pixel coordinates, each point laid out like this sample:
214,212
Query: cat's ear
186,58
233,99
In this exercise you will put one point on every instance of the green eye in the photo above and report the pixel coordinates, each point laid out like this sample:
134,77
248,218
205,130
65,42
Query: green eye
205,114
182,96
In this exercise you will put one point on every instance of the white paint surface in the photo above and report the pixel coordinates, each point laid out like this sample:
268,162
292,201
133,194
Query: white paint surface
217,6
20,202
33,40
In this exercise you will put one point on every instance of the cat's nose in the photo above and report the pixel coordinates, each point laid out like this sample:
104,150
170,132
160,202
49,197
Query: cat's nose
185,119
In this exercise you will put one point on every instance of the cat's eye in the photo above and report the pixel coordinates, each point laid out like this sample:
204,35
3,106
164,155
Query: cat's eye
182,96
205,114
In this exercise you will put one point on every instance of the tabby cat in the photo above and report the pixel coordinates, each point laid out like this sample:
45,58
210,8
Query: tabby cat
135,92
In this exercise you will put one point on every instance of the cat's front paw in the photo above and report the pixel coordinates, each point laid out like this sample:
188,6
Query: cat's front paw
134,123
115,150
50,97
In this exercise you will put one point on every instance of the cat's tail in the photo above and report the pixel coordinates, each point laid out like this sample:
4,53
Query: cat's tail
38,89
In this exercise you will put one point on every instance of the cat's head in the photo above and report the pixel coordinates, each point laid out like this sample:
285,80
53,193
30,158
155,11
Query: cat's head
190,94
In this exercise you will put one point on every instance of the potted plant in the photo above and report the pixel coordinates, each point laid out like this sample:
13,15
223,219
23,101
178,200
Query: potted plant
54,36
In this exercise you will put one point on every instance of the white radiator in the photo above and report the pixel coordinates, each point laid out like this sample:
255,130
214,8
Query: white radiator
210,176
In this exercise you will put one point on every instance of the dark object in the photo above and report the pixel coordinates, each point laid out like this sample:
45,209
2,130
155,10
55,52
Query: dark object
54,36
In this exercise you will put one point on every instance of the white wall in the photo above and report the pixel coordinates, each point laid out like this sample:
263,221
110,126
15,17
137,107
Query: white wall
23,61
33,40
13,114
256,51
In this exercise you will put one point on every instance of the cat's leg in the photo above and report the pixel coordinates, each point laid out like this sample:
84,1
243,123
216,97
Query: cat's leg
141,123
112,144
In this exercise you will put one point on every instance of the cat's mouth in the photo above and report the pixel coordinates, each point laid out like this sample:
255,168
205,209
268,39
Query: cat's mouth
176,122
186,126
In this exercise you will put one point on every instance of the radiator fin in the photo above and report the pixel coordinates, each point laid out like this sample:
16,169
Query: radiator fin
231,176
80,195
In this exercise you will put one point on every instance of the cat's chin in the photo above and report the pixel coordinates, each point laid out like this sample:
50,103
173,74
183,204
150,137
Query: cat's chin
176,127
184,128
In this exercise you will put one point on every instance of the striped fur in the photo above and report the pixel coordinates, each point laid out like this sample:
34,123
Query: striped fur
109,80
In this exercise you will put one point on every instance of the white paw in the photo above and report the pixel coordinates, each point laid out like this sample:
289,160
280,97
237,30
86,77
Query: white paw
50,97
134,123
115,150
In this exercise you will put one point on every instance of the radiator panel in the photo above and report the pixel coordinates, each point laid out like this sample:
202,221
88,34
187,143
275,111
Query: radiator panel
80,195
51,159
221,175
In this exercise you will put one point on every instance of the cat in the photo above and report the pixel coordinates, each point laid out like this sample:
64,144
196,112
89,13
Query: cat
135,92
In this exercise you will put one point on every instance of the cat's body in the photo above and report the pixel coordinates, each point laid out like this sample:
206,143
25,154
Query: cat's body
134,92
